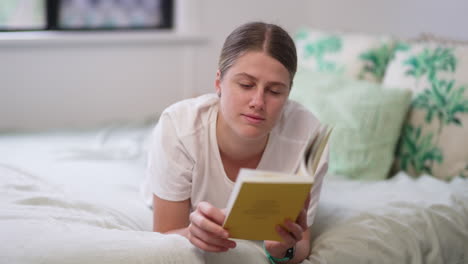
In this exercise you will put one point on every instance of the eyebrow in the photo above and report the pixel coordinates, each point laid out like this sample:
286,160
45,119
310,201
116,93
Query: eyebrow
243,74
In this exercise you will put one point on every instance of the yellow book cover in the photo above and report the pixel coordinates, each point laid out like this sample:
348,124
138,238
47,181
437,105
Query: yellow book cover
260,200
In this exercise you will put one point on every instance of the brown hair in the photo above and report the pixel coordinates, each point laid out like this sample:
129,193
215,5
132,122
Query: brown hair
259,36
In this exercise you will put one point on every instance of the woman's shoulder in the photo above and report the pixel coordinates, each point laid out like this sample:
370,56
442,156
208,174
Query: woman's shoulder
295,109
297,122
191,114
195,103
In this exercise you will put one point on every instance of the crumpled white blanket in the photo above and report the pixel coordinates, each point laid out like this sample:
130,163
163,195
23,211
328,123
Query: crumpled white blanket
86,209
401,220
41,224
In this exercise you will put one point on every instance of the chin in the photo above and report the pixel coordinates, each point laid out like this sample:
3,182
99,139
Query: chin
253,133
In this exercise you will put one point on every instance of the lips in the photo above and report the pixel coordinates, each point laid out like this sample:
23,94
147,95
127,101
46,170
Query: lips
254,119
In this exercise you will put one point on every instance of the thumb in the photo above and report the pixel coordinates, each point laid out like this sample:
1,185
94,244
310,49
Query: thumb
302,219
307,202
224,210
211,212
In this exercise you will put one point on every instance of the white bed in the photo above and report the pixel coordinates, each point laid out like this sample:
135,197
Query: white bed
73,197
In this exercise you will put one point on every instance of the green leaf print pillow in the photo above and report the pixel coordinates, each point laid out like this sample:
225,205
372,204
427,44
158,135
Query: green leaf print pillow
434,139
366,118
358,56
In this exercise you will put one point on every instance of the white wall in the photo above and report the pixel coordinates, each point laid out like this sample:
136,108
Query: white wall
404,18
87,81
59,84
401,18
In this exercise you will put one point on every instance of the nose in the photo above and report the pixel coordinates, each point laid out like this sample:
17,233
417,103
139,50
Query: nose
258,101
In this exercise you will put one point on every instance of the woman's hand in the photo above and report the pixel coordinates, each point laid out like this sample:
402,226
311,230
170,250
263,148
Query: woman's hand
205,230
291,233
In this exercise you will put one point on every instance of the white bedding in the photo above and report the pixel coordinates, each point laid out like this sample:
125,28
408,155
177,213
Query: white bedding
74,198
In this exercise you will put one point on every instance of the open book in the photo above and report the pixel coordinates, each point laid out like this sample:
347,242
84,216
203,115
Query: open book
260,200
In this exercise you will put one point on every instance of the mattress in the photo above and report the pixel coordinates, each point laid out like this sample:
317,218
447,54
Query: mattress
73,197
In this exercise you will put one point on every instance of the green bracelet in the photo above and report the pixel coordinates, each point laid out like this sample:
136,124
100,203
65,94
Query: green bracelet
273,259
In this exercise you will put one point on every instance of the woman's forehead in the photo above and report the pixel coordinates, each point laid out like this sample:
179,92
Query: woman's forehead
259,66
245,75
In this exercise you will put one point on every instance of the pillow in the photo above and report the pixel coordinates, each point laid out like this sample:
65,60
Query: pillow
434,138
359,56
366,118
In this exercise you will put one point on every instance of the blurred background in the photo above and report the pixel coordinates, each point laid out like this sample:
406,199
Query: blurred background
84,63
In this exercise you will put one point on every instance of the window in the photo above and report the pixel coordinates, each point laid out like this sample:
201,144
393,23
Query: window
25,15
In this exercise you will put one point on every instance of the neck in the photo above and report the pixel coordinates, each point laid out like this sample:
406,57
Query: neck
239,150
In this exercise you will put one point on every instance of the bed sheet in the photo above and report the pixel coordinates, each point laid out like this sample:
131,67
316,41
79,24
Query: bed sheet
73,197
400,220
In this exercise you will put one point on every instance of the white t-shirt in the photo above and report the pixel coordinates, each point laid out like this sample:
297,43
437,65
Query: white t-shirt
184,160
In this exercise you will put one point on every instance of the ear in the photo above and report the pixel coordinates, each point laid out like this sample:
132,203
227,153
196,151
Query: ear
218,82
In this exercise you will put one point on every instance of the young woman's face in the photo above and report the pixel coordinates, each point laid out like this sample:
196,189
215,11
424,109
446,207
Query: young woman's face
253,93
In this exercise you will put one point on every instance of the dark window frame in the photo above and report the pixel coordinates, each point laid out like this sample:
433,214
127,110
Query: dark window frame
52,9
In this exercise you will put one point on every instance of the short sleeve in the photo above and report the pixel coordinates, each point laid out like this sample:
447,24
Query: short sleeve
317,187
169,166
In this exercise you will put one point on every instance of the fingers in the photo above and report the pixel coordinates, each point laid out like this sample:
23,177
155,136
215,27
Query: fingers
291,232
307,202
288,239
205,246
213,213
210,242
301,219
294,229
205,230
203,217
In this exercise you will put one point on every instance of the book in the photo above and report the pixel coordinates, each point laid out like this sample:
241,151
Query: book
261,199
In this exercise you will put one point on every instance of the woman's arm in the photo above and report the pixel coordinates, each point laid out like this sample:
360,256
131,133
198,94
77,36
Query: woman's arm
170,217
202,227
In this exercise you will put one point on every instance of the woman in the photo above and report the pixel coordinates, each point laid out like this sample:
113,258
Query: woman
200,144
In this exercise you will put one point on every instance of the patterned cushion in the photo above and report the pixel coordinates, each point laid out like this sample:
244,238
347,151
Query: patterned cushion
358,56
434,139
366,118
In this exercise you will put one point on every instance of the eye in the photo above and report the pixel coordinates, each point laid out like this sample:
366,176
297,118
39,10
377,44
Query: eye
246,85
274,91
